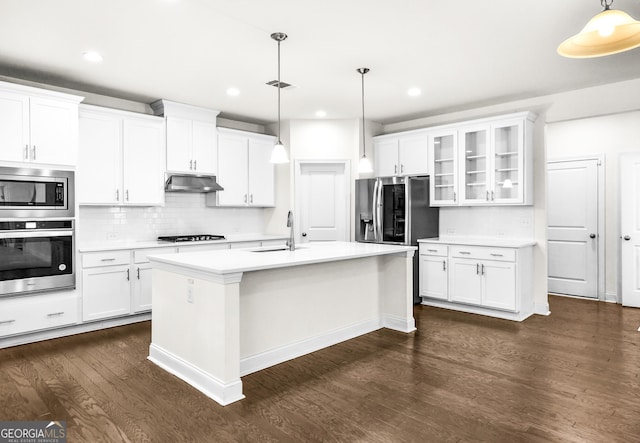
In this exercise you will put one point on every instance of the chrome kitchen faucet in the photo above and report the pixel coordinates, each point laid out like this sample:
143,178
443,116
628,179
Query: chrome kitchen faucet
291,243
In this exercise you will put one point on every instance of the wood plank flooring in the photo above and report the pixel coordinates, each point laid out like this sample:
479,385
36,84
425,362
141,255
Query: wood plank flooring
571,377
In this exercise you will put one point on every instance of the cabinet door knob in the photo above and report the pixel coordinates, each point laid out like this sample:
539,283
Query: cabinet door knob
195,165
627,238
444,265
395,169
127,275
34,152
304,234
190,165
401,169
26,152
592,236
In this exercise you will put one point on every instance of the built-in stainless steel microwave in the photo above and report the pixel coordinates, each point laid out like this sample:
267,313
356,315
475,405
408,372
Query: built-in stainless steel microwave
35,193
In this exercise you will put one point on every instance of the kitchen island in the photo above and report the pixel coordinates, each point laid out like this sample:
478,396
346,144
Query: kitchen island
219,315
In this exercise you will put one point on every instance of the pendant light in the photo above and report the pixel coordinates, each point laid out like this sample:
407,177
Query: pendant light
279,155
365,165
609,32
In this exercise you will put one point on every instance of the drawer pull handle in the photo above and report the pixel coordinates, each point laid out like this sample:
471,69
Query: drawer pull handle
7,322
55,314
432,250
477,268
108,259
497,255
482,269
465,252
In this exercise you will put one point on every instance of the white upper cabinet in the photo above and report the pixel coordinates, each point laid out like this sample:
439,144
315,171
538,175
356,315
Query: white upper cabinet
401,154
38,126
245,171
191,137
486,162
443,146
121,158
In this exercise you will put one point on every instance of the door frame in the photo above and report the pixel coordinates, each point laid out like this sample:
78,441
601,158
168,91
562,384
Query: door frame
298,195
602,231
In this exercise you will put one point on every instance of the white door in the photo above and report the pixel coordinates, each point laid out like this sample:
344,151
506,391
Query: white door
322,193
179,145
572,227
499,284
413,154
465,285
433,277
205,147
14,127
630,229
54,127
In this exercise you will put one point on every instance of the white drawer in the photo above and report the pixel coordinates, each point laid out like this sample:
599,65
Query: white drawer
36,312
431,249
140,255
483,253
105,258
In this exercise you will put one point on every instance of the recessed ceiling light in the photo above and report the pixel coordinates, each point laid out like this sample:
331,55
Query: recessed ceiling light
233,92
414,92
92,56
321,114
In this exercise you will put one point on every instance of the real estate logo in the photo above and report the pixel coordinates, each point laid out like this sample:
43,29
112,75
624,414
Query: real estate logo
33,432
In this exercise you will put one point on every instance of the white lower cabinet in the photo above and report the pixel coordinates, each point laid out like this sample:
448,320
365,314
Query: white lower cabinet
19,315
486,280
106,282
434,272
141,278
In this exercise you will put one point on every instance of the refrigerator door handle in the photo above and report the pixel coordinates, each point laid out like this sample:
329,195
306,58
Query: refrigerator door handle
379,236
374,210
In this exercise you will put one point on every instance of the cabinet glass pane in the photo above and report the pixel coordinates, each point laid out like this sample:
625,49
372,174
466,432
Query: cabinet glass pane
507,158
443,171
475,165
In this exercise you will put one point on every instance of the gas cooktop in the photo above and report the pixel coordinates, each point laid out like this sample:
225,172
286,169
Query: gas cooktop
185,238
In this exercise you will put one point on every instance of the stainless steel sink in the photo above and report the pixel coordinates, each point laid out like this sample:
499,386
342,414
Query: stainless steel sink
275,248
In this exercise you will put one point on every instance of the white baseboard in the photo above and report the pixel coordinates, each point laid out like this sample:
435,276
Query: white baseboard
49,334
541,309
399,324
515,316
273,357
223,393
611,297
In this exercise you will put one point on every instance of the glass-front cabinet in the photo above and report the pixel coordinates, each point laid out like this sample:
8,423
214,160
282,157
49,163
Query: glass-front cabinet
508,162
483,162
444,180
475,173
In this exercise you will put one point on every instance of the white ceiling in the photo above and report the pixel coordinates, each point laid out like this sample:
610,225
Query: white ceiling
461,53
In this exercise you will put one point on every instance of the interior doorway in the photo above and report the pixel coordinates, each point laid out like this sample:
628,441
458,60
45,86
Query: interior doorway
322,199
630,229
575,227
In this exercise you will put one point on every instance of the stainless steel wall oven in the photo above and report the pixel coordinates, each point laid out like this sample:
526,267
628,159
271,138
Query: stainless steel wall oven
36,193
36,256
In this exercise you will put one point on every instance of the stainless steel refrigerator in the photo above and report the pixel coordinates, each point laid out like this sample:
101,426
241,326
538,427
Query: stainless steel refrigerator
395,210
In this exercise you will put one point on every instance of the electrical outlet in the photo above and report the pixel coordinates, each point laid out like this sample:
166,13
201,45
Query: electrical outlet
113,235
189,290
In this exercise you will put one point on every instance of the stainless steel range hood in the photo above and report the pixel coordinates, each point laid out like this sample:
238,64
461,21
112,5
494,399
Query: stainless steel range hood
191,183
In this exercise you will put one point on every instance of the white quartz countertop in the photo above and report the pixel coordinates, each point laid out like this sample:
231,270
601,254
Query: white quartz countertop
481,241
242,260
116,245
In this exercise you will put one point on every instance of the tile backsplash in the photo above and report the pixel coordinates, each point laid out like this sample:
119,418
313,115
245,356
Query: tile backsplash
490,221
183,213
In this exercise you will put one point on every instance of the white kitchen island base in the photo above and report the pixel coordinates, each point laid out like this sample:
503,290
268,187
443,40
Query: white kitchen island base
217,316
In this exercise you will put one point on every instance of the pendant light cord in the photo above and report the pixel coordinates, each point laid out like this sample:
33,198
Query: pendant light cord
279,141
364,145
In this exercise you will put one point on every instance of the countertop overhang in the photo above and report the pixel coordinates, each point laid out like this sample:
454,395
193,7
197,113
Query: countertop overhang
481,241
235,261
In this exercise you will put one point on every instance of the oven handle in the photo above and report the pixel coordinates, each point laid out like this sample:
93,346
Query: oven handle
35,234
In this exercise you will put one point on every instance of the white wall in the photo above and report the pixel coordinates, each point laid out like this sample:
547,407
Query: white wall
609,135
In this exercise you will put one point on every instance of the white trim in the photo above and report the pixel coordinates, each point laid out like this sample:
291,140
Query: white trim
347,186
272,357
602,230
541,309
72,330
515,316
223,393
612,297
398,324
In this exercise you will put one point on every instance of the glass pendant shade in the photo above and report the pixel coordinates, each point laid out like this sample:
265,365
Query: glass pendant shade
364,167
609,32
279,154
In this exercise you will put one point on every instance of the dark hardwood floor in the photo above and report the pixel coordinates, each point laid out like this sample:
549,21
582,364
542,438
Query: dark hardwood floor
570,377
